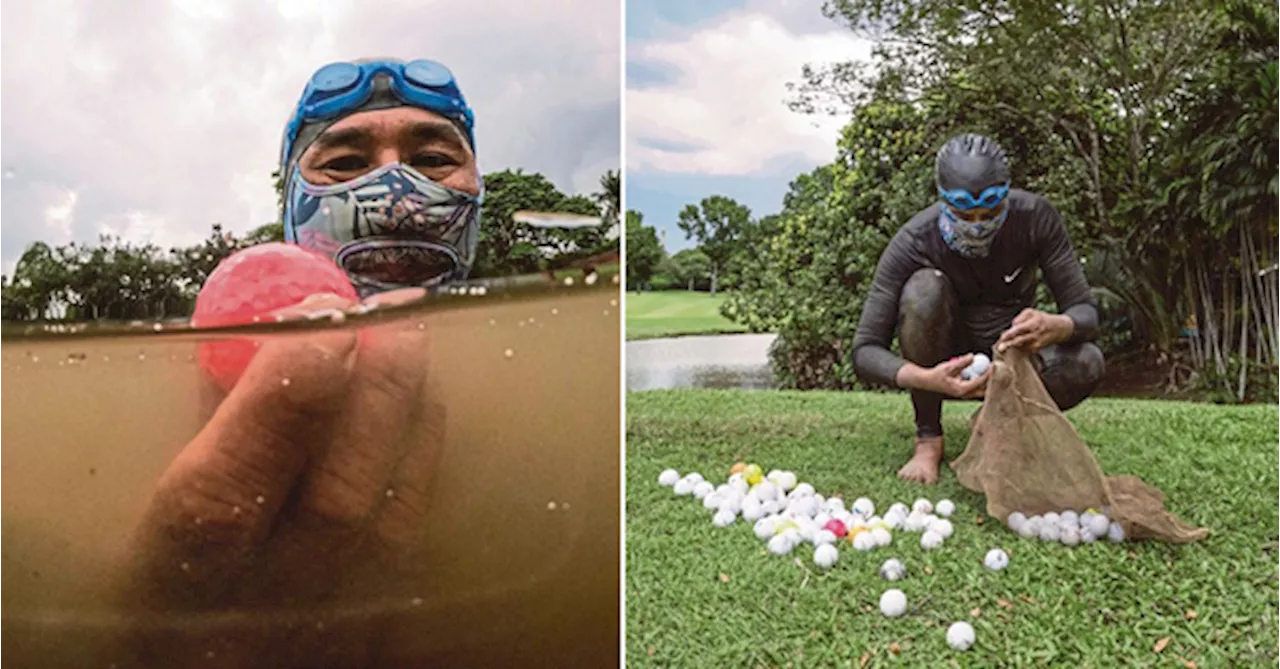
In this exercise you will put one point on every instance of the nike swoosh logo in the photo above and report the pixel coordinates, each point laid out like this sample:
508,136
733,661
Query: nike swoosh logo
1011,277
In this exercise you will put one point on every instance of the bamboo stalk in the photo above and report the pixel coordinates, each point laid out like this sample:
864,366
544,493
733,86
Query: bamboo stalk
1244,326
1193,296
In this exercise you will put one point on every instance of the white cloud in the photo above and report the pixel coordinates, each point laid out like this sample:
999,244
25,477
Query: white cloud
723,112
165,116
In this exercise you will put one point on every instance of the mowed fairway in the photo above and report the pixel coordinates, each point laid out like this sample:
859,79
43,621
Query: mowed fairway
671,313
698,596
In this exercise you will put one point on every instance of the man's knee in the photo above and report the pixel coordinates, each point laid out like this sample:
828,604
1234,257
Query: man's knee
1093,365
927,295
1073,373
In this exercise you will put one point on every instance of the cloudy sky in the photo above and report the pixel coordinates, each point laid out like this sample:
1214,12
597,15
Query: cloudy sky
706,112
154,119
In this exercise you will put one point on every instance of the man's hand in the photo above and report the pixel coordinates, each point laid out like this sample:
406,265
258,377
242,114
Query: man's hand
1034,330
944,378
309,482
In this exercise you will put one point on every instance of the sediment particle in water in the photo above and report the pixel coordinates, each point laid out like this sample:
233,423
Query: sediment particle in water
390,493
551,506
285,381
235,510
555,311
185,566
613,303
509,354
261,499
416,601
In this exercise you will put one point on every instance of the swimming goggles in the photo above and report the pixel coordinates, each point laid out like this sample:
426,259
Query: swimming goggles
963,200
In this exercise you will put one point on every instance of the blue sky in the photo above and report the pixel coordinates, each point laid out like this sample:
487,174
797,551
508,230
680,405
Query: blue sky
706,112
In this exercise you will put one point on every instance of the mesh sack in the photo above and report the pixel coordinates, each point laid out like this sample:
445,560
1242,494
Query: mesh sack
1025,456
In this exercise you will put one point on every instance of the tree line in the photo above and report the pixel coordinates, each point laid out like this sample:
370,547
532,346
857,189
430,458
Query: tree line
116,279
1151,126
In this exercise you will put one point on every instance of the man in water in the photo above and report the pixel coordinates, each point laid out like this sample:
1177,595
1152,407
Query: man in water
960,277
305,492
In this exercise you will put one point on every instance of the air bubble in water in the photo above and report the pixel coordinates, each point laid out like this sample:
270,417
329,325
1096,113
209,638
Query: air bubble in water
142,356
186,566
492,322
261,499
551,506
555,311
422,326
390,493
509,354
613,303
285,381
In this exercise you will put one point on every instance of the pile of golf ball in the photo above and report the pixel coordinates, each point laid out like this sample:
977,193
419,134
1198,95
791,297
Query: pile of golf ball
786,513
1068,527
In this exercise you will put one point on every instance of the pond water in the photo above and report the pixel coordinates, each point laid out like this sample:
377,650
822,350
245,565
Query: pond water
708,361
516,491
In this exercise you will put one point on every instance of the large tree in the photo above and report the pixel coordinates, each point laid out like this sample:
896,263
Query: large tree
717,224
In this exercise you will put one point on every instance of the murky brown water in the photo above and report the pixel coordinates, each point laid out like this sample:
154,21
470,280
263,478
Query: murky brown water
520,564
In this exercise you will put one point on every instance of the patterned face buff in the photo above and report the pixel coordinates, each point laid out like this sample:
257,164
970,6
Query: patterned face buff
971,239
390,228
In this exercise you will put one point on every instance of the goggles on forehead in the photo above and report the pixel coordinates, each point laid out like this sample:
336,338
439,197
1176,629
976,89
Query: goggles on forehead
339,88
964,200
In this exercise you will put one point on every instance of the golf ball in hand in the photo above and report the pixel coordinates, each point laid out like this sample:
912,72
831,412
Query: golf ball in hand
668,477
960,635
996,559
892,570
825,556
893,603
945,508
976,368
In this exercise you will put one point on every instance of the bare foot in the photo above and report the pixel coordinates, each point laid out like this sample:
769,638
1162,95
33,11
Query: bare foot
923,466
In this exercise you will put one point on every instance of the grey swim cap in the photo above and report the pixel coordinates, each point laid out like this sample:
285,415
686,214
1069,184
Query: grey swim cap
971,162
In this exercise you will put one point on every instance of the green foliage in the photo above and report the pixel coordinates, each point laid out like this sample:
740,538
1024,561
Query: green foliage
644,252
688,269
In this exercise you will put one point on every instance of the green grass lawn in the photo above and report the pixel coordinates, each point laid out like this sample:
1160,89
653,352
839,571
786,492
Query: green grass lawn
669,313
701,596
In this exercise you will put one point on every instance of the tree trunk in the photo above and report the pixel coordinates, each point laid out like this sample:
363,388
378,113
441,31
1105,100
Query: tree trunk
714,277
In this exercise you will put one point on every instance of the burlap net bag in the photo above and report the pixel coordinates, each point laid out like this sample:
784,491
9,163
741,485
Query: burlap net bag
1025,456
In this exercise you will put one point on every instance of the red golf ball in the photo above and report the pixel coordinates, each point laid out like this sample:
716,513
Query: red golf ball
836,527
255,282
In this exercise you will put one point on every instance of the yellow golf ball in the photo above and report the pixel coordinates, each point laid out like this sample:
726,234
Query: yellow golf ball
753,474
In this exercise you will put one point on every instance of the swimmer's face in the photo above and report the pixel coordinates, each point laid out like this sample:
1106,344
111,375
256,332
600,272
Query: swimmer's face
365,141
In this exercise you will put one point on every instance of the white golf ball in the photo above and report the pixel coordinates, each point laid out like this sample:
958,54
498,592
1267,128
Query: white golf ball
711,501
1070,536
943,527
780,545
892,570
1030,528
895,520
996,559
893,603
1087,536
1097,524
767,491
739,483
695,477
804,506
899,508
945,508
864,507
764,528
701,489
824,537
960,636
881,536
825,556
732,505
1051,518
822,519
930,540
668,477
751,512
771,507
1070,517
804,489
1050,532
1015,520
915,522
863,541
723,518
787,481
1115,533
833,504
922,506
683,487
976,368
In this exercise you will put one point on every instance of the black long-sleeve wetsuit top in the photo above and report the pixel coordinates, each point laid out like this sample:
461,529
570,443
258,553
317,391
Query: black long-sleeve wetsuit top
991,290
